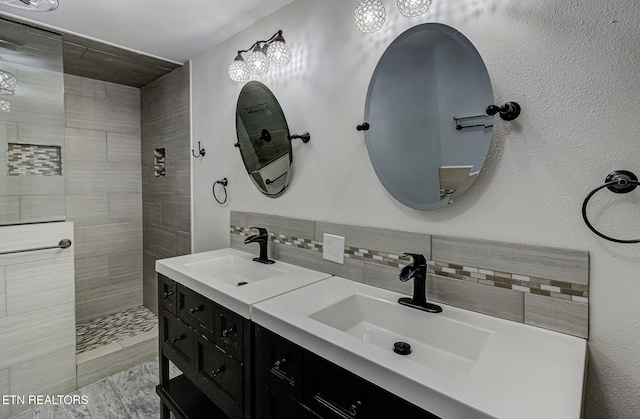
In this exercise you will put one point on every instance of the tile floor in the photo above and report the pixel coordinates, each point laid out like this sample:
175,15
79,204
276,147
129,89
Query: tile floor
128,394
113,328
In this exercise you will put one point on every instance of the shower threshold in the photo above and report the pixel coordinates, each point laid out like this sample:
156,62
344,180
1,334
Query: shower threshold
114,343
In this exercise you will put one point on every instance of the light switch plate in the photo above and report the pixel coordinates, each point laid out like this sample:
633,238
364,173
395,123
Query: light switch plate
333,248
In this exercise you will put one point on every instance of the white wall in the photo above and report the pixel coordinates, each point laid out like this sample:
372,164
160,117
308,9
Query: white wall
572,65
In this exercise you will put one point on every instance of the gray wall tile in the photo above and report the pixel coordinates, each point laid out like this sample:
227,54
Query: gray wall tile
5,409
125,208
165,123
500,302
102,301
92,177
282,225
88,209
38,285
372,238
562,316
123,148
238,218
36,334
125,267
9,209
53,374
107,238
3,294
85,145
544,262
92,272
39,208
386,277
351,269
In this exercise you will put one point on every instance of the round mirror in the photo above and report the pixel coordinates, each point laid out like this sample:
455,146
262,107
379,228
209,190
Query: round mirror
429,134
262,138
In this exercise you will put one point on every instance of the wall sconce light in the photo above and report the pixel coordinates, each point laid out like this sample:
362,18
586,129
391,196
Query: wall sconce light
5,105
34,5
263,54
370,14
8,83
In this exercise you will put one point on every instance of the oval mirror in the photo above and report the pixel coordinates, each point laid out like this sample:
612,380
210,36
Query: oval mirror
262,139
429,134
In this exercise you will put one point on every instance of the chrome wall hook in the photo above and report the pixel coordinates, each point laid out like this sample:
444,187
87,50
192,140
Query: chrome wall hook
509,111
200,151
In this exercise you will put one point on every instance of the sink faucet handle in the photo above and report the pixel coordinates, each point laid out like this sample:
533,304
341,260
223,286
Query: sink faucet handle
261,231
418,259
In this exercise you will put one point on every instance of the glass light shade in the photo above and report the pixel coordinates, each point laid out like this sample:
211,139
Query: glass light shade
278,53
412,8
8,83
369,15
239,70
257,61
34,5
5,105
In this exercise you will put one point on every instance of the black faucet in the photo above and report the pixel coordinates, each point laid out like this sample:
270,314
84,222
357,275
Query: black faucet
262,238
417,270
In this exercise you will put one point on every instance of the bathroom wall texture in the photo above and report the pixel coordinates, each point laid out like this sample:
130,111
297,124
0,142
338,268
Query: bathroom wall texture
571,65
37,319
166,124
104,194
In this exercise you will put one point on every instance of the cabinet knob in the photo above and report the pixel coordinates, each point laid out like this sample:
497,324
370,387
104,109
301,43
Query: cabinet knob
167,294
219,370
195,309
278,364
228,331
177,338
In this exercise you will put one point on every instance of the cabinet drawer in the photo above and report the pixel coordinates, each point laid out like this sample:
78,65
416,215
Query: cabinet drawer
278,405
230,332
334,392
167,290
221,377
282,363
178,342
196,310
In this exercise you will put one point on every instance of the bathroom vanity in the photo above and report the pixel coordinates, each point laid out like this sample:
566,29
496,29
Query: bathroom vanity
280,341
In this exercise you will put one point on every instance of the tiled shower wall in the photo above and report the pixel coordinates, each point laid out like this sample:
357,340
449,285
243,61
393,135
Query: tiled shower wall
540,286
165,110
37,321
104,194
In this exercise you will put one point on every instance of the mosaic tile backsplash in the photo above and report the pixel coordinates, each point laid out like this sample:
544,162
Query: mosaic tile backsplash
34,159
559,302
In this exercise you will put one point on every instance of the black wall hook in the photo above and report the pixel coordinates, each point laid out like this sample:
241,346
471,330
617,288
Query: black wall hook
363,127
509,111
200,151
305,137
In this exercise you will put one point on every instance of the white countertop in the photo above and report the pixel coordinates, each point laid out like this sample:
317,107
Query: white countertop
187,270
520,372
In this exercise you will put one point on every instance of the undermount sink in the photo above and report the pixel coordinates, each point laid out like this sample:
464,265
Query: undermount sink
234,270
436,341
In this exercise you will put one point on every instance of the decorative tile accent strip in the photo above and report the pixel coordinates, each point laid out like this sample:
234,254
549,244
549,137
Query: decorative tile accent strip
34,159
105,330
546,287
159,162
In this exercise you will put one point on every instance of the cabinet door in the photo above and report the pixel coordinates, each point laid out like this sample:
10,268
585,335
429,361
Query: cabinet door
221,377
167,290
177,342
230,328
196,310
334,392
282,363
278,405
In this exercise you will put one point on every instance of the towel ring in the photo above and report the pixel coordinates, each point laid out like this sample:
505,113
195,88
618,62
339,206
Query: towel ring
223,183
619,181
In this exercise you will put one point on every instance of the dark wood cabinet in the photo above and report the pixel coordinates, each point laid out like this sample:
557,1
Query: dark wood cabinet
234,369
311,387
208,343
